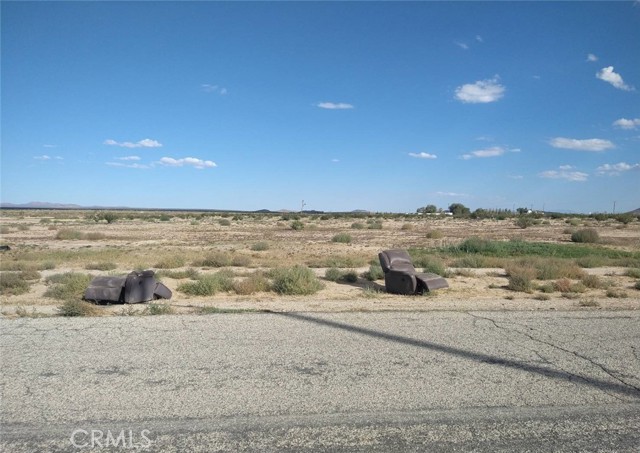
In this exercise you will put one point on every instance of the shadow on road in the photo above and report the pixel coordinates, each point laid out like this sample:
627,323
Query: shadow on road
619,388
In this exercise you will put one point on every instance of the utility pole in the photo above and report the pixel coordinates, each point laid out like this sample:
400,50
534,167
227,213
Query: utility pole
302,206
614,207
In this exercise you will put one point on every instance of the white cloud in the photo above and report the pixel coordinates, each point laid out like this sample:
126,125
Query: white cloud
573,176
565,167
480,92
120,164
479,38
50,146
128,158
187,161
334,105
515,177
451,194
591,57
616,169
591,144
493,151
624,123
145,143
462,45
43,157
423,155
335,160
608,75
207,88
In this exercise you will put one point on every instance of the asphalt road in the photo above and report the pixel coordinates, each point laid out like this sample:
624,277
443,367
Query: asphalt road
434,381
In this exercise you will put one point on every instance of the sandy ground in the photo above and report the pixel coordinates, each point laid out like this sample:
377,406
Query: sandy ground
140,243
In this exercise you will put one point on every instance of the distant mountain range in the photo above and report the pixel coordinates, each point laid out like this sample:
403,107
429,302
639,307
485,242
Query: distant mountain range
46,205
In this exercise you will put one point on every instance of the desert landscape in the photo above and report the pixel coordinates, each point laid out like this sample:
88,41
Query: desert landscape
226,262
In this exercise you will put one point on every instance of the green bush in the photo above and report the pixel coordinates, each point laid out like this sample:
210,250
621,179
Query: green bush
333,274
13,284
70,285
342,237
435,234
224,222
296,280
208,285
241,261
357,226
633,273
216,259
254,283
170,262
588,235
592,281
520,278
375,272
179,275
297,225
75,307
260,246
525,221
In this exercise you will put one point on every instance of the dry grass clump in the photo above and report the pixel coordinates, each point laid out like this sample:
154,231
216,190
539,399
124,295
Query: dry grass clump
374,273
254,283
108,266
170,262
179,274
520,278
615,293
209,284
435,234
241,261
215,259
587,235
564,285
592,281
343,238
260,246
75,308
70,285
334,274
341,261
75,235
13,284
296,280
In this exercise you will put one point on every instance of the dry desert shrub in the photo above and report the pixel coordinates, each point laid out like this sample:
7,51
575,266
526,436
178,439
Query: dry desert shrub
296,280
520,278
75,308
254,283
13,284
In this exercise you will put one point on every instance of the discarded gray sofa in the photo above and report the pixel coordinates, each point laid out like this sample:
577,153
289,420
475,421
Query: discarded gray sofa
130,289
400,277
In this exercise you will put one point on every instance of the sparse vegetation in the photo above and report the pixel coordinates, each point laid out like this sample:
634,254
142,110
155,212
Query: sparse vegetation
101,266
13,284
170,262
435,234
75,308
70,285
157,309
254,283
297,225
587,235
342,238
209,284
260,246
216,259
520,278
296,280
374,273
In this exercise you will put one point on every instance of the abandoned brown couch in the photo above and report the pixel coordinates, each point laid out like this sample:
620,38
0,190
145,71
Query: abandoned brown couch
400,277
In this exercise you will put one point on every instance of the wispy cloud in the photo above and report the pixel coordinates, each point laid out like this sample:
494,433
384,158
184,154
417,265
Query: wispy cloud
480,92
624,123
616,169
451,194
591,144
145,143
334,105
493,151
564,173
46,157
591,57
479,38
608,75
515,177
207,88
462,45
123,165
187,161
128,158
49,146
423,155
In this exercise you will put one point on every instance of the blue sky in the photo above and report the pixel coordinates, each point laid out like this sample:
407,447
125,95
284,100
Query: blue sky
384,106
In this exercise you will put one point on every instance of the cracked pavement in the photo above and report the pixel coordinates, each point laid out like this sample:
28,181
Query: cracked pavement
392,381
